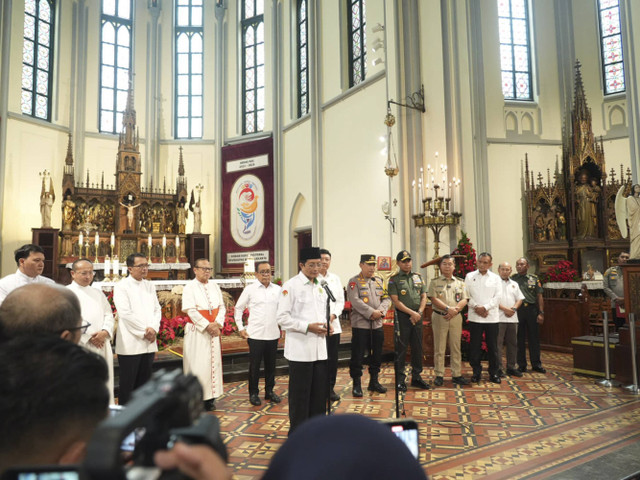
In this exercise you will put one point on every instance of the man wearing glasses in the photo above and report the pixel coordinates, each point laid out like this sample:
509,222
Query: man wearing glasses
139,316
262,332
202,301
96,312
301,313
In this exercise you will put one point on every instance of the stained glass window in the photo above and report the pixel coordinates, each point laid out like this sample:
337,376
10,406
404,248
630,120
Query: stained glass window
115,62
357,41
189,68
515,50
611,44
253,89
37,58
303,57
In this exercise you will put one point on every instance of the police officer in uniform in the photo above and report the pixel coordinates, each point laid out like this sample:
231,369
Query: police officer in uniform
614,288
530,314
448,296
369,305
408,293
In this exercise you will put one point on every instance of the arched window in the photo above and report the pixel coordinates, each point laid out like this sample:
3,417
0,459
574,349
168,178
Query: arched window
611,46
302,48
37,58
115,62
189,41
515,50
253,90
356,16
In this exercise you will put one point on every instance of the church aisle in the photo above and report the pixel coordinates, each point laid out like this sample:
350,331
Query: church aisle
534,427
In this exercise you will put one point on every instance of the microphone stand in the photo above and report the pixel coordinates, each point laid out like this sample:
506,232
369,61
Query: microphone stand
330,298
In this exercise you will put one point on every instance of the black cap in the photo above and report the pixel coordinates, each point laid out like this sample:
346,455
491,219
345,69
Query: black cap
309,253
402,256
367,258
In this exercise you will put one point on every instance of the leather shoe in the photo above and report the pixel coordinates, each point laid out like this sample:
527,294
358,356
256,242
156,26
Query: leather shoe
255,400
402,387
376,387
334,396
539,369
210,405
495,379
272,397
420,383
475,378
460,381
357,391
512,372
438,381
501,374
522,369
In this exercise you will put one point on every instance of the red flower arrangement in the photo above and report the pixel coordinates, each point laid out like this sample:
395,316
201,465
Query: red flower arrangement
468,263
109,296
230,325
562,271
170,329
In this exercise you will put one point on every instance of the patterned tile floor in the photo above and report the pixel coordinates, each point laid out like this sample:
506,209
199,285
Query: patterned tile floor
530,427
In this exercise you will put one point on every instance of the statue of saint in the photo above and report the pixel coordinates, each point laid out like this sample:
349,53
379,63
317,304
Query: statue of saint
629,209
586,202
68,213
46,203
181,215
130,209
197,218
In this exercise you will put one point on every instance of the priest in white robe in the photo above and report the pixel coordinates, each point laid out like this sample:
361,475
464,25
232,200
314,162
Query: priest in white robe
30,261
202,302
96,312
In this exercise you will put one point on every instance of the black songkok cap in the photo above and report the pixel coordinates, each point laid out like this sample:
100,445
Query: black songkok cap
309,253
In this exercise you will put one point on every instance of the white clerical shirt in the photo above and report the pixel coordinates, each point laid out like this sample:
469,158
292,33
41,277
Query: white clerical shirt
262,303
302,301
16,280
484,291
138,308
510,293
336,307
95,310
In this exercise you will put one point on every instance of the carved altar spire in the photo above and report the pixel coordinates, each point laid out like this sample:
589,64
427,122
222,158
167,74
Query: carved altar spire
580,108
181,164
69,158
181,181
128,136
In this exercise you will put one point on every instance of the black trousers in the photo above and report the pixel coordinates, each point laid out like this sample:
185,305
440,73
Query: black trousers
410,335
490,331
308,391
363,340
135,370
333,342
260,350
528,333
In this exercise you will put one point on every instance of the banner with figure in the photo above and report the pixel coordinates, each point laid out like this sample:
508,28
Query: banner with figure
247,204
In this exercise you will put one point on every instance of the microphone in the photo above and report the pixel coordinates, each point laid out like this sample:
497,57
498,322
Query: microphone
325,285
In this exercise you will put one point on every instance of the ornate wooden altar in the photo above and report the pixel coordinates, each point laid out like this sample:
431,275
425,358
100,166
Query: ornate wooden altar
572,216
126,217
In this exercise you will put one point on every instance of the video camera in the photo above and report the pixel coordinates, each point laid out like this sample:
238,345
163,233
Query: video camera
165,410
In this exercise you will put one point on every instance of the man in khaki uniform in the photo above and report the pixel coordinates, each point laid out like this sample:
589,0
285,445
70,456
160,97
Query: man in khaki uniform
369,305
448,296
614,289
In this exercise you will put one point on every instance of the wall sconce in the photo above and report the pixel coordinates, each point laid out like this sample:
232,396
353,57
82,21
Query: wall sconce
378,44
378,27
377,61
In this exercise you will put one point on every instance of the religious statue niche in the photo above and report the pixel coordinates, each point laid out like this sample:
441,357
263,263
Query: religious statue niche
572,217
126,215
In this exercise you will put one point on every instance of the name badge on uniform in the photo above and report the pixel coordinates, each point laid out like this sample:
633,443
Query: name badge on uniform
458,296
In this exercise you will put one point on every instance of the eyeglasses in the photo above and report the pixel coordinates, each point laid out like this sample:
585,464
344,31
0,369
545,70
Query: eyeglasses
145,265
264,272
206,269
83,328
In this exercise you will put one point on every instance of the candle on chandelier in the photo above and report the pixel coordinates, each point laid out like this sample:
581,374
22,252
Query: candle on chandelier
414,203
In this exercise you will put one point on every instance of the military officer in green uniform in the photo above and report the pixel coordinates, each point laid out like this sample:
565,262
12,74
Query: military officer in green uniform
408,293
530,314
369,305
614,288
448,296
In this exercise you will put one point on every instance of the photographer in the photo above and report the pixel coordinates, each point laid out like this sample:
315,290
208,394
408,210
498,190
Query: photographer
52,396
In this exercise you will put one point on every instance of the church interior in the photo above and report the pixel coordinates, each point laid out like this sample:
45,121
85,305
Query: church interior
236,130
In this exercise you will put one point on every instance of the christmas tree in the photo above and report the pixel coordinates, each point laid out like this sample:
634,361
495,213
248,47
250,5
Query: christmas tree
468,263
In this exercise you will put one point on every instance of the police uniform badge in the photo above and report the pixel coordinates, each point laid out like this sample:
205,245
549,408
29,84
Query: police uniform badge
403,292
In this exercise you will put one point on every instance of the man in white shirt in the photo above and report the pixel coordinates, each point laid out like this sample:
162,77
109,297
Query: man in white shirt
301,314
335,310
202,301
139,315
511,298
483,287
30,261
96,312
262,332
